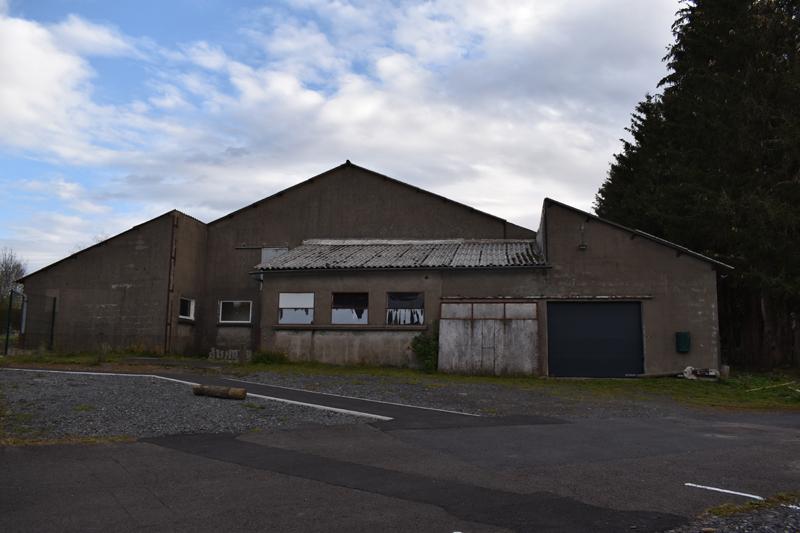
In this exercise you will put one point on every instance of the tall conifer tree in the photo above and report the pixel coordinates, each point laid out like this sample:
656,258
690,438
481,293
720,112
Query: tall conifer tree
714,163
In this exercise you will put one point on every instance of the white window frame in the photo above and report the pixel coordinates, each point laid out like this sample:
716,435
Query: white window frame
283,304
191,308
249,318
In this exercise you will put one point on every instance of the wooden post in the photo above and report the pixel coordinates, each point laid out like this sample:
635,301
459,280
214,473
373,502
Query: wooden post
233,393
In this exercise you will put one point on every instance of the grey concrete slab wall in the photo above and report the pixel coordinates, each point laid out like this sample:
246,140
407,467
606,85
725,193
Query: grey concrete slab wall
678,292
348,347
188,281
346,202
112,295
374,343
125,292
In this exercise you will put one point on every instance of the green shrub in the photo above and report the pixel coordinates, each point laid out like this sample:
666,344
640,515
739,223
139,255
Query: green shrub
269,358
426,348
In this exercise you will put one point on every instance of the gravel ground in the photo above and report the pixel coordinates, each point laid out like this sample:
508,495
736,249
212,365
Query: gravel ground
774,520
473,397
49,405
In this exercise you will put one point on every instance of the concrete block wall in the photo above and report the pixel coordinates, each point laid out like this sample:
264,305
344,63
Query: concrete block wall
112,295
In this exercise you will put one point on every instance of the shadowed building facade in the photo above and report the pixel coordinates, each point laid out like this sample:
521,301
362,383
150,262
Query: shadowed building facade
348,266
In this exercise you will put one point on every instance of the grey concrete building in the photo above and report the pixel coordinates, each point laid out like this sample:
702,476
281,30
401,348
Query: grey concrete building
350,265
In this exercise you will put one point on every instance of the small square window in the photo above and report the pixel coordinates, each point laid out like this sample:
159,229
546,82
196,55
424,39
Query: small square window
350,308
296,308
186,309
235,311
270,253
405,308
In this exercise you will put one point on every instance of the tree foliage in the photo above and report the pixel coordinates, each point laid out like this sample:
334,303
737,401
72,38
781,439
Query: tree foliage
11,269
714,159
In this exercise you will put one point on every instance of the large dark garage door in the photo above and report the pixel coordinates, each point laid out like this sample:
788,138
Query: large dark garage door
594,339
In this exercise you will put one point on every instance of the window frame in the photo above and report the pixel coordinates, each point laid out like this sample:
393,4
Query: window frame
249,318
192,308
284,249
334,308
313,304
387,309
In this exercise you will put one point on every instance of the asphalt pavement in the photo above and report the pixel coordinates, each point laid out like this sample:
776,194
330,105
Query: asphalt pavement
409,470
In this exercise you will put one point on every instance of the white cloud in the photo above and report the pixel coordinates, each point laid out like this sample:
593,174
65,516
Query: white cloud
80,36
493,104
49,111
207,56
73,195
170,97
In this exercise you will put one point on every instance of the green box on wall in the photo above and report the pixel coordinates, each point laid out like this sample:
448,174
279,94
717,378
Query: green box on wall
683,341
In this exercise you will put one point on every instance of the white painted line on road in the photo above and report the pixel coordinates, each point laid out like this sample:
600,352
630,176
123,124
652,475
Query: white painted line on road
354,397
316,406
325,407
716,489
81,372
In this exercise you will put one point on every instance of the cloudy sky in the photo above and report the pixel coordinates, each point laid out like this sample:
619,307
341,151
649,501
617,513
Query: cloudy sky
114,112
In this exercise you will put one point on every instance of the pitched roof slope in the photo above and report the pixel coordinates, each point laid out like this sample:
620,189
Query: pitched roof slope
105,241
325,254
368,172
640,233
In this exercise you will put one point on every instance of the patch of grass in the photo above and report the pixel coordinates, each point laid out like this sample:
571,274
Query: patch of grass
254,405
733,393
13,425
18,418
729,509
269,358
83,408
22,441
93,358
324,369
85,359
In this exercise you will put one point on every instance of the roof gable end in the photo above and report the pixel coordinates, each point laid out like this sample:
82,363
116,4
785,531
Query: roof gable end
653,238
370,173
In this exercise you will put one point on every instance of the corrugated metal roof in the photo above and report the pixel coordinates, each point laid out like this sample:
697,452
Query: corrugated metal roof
318,254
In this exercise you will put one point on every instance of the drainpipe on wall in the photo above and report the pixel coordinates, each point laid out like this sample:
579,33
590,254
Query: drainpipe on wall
170,284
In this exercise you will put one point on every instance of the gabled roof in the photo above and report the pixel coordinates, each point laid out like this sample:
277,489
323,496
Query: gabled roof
104,241
325,254
640,233
367,171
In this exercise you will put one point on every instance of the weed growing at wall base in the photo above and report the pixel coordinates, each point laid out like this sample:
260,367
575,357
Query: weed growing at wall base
269,358
426,348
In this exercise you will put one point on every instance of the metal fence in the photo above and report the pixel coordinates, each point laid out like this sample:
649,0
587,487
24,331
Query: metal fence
28,322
